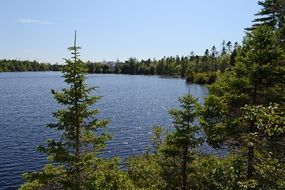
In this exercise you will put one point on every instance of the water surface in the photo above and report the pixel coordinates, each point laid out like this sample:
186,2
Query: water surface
133,104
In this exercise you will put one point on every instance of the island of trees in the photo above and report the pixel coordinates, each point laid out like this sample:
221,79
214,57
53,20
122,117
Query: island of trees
243,113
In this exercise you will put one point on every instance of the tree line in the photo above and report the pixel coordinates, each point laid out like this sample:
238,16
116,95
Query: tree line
243,113
195,68
7,65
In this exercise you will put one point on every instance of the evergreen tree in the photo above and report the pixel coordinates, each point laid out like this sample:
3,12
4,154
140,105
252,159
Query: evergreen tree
179,147
223,51
256,78
78,143
214,54
271,14
229,47
205,60
234,54
132,63
259,124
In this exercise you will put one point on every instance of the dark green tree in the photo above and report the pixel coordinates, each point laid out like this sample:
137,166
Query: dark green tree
256,78
223,51
229,47
234,54
214,54
271,14
205,59
132,63
179,147
78,144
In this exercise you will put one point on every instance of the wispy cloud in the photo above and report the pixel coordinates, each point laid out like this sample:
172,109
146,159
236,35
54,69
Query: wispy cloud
33,21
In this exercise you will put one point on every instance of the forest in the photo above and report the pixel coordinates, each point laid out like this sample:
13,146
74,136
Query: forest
21,66
194,68
243,114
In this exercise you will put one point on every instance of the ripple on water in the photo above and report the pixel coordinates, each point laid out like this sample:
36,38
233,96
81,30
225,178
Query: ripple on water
132,103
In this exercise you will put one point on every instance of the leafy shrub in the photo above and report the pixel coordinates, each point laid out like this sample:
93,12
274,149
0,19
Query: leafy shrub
200,78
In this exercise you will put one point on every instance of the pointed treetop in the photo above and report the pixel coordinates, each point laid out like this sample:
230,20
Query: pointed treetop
74,49
75,38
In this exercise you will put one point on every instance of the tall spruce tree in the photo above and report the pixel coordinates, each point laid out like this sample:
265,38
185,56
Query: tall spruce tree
78,143
271,14
257,78
214,54
179,147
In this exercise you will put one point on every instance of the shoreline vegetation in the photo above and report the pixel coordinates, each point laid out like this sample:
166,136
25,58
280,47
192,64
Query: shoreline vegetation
193,68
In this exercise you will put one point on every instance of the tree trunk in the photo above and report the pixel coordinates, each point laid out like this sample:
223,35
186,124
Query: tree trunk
184,168
77,130
250,155
250,158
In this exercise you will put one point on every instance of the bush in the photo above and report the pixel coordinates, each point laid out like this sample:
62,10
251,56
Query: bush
211,78
190,77
200,78
144,171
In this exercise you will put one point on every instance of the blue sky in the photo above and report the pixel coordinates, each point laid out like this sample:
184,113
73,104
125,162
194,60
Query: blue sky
119,29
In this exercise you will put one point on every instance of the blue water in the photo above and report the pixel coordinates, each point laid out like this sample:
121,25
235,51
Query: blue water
133,104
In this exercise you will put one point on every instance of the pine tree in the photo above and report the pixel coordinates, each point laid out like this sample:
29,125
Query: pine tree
229,47
205,59
78,143
214,54
223,51
271,14
179,147
259,124
257,78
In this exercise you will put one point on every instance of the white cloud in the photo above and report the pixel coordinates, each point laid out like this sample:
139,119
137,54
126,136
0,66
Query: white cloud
32,21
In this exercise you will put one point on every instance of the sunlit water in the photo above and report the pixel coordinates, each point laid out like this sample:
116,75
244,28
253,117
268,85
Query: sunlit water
132,103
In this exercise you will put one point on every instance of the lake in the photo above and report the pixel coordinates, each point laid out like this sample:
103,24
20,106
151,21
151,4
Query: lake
133,104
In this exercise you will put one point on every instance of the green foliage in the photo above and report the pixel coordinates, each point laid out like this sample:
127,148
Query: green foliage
229,173
99,67
271,14
256,78
211,78
17,65
268,120
183,121
197,69
157,137
179,147
144,171
79,144
212,172
51,177
201,78
190,77
244,112
233,114
105,174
